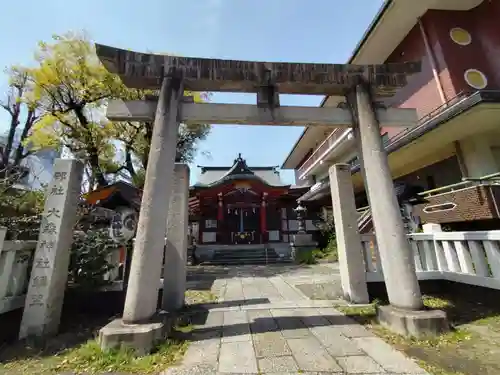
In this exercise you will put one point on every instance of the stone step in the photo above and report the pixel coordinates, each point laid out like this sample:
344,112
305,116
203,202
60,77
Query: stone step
233,255
245,256
243,261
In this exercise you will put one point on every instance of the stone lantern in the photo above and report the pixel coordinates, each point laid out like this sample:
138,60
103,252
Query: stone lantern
302,243
301,211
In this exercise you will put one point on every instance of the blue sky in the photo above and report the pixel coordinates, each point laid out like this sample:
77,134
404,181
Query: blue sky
324,31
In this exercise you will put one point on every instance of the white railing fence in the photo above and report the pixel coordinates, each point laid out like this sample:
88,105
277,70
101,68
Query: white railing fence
16,261
467,257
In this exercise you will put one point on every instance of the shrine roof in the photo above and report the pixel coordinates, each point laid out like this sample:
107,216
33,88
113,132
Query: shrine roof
212,176
115,194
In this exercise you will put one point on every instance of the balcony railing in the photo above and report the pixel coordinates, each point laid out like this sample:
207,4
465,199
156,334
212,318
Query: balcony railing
469,200
322,150
468,204
424,119
326,146
425,123
492,179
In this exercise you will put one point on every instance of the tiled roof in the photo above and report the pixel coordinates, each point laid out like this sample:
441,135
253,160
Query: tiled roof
213,175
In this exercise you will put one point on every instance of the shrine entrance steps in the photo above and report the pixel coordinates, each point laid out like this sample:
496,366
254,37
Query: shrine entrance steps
242,255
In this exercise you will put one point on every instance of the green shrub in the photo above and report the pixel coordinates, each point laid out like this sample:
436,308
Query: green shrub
318,254
89,251
328,246
329,253
331,248
89,258
306,257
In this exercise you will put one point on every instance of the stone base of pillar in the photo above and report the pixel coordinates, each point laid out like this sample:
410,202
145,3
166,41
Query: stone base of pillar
141,338
302,247
419,324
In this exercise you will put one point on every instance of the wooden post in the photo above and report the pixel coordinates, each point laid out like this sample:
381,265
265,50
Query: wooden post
263,218
220,218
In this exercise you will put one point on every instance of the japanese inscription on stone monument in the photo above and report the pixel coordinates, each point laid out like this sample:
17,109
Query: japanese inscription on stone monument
47,240
50,265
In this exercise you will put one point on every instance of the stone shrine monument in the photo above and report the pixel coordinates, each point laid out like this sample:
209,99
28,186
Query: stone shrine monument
44,300
361,85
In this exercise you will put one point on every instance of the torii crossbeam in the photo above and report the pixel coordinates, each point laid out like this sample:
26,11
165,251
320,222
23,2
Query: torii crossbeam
247,114
146,71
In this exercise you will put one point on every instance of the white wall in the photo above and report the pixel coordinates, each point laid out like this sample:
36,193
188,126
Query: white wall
480,155
344,158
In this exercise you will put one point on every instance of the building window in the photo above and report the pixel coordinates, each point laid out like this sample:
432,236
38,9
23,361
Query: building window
460,36
476,79
210,224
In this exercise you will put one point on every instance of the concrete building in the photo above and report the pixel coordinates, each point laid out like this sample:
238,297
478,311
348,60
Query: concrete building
455,149
39,165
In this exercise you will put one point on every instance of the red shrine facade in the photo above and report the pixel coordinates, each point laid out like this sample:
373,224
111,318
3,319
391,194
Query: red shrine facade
241,205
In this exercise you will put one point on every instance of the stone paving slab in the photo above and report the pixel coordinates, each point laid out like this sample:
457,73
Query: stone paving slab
237,357
336,344
359,364
290,324
284,364
236,327
312,356
264,325
282,304
270,344
389,358
203,352
289,292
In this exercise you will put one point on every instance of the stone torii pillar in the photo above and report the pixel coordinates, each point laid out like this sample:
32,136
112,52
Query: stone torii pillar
350,250
405,315
145,272
395,251
174,273
137,328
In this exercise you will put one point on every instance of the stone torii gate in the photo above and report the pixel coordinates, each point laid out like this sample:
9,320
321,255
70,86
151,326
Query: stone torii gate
361,85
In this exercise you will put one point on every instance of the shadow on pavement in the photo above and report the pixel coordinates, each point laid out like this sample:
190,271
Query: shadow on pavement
262,325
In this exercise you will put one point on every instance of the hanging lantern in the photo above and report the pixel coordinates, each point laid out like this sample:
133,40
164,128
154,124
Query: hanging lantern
123,224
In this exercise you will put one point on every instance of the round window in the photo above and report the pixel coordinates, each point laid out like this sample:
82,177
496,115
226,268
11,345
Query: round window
460,36
475,79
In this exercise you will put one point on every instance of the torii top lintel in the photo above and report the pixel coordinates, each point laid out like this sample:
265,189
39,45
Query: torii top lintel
146,71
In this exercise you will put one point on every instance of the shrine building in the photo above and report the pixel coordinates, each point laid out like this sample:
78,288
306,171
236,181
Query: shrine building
239,206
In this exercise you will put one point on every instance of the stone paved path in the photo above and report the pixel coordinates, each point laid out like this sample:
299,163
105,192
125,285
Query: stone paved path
264,324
